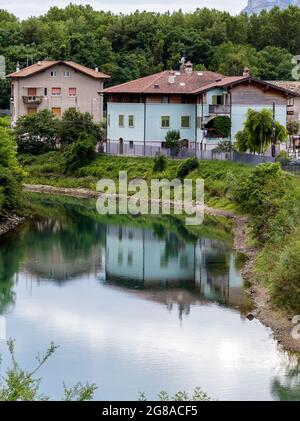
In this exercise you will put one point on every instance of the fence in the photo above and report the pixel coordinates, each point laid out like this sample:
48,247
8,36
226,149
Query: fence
295,169
115,148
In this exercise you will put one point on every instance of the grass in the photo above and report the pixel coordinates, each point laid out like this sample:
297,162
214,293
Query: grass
48,169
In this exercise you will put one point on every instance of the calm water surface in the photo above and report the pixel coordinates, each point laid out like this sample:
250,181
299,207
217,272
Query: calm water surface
135,306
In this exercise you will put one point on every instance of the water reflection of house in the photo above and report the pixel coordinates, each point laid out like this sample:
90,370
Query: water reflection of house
140,259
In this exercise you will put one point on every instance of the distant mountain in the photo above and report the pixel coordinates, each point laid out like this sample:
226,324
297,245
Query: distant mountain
256,6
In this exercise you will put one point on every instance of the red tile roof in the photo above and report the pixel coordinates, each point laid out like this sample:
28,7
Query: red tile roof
159,83
194,83
290,85
45,65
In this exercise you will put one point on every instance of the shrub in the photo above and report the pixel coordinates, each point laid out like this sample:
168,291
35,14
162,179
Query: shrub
222,126
283,157
160,163
9,189
187,166
75,124
79,154
37,133
224,146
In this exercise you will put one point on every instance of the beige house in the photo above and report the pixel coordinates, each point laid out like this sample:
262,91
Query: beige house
56,86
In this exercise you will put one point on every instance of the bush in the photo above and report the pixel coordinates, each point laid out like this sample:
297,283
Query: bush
10,190
79,154
222,126
75,124
37,133
283,157
160,163
187,166
224,146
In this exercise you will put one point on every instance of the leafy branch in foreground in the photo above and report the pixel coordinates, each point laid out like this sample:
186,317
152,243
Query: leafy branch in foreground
198,395
20,385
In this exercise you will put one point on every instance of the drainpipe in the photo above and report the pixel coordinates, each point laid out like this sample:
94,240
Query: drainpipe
196,117
144,126
202,124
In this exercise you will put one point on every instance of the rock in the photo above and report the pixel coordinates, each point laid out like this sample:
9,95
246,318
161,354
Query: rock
250,316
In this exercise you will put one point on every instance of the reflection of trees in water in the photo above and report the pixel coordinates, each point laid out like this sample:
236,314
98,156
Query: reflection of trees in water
288,389
11,254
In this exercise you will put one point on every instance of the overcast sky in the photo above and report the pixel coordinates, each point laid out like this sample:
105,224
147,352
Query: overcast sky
26,8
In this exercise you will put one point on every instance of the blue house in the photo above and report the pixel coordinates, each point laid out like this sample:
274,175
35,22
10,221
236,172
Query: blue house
141,112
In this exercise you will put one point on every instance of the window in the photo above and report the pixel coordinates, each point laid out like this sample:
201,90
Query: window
163,145
108,120
130,144
121,120
185,121
67,73
217,100
72,91
56,112
165,122
199,123
31,110
165,100
130,121
45,91
56,91
31,91
290,102
53,73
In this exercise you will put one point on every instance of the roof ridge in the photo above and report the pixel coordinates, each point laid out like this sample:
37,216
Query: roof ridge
159,75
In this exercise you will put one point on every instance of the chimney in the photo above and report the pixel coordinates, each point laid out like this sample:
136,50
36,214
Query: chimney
96,69
39,63
18,67
188,68
172,77
246,72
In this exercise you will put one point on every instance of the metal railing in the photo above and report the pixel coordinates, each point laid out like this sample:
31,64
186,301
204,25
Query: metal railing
219,109
139,150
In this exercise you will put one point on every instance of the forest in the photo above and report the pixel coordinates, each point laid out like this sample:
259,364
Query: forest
141,43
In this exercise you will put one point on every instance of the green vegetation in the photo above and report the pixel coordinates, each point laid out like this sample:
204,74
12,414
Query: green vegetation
221,126
21,385
42,132
160,163
256,136
272,198
49,169
10,171
187,166
79,154
135,45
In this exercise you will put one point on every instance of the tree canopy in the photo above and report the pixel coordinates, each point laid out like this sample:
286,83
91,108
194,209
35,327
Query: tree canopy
141,43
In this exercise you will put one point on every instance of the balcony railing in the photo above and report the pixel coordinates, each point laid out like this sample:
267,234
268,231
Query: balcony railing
32,99
219,109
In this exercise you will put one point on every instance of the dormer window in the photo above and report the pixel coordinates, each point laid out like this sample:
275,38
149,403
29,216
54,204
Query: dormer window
53,73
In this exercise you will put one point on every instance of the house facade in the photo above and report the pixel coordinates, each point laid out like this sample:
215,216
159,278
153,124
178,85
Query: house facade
56,86
142,111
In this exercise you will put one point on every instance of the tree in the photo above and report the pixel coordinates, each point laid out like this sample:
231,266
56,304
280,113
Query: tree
293,127
256,136
75,124
79,153
37,133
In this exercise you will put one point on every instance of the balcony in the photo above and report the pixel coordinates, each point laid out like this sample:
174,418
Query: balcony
219,109
32,100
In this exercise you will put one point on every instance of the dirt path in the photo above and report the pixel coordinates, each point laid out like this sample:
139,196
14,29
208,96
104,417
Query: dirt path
280,323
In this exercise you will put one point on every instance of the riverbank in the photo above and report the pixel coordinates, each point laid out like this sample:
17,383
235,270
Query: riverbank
9,222
278,321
